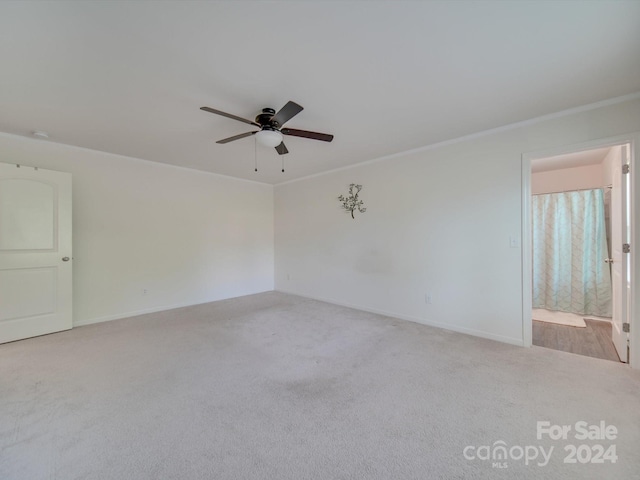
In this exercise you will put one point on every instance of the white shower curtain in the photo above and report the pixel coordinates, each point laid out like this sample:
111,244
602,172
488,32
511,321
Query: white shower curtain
569,249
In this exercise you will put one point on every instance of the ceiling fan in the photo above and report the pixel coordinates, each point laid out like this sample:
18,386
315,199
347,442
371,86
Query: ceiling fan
270,124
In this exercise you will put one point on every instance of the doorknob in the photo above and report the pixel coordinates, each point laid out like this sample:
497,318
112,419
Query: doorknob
608,260
65,259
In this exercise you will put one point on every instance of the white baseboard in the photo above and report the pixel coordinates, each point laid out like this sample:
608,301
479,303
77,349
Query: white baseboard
454,328
135,313
445,326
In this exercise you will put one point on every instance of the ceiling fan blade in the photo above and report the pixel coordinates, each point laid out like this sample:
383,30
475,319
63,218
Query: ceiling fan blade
286,113
228,115
282,149
325,137
236,137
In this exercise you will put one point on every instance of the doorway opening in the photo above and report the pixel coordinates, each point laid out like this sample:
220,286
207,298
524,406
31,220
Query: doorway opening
579,222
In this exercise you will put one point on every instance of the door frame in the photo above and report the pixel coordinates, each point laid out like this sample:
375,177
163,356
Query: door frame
633,139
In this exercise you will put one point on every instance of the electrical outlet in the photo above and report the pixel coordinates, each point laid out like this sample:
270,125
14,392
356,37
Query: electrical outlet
288,277
145,291
428,298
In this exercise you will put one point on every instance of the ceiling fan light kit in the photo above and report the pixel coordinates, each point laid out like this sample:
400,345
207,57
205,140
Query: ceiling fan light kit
270,124
269,138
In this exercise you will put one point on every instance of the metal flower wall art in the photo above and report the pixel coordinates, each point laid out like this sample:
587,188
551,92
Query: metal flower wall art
351,203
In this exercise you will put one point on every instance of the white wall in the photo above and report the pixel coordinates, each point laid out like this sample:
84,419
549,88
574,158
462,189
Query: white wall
614,155
438,220
566,179
187,236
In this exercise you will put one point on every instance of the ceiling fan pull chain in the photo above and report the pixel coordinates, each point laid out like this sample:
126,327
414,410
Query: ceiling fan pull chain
255,152
282,156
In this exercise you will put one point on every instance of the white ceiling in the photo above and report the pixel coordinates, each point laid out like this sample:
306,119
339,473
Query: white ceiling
383,77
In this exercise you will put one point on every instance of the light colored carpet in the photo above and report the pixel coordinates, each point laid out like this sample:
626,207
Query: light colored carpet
278,387
560,318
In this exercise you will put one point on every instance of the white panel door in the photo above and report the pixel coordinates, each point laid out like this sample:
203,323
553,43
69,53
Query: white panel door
619,265
35,252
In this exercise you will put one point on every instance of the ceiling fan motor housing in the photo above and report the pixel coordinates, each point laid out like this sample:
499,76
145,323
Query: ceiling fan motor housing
264,119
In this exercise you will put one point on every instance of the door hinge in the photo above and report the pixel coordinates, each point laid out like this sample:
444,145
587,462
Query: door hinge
625,327
625,168
626,248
